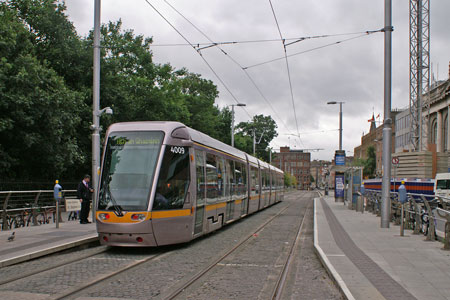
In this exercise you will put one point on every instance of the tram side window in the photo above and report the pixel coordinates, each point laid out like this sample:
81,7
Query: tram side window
173,180
240,172
200,172
221,177
254,180
211,177
263,180
229,164
237,179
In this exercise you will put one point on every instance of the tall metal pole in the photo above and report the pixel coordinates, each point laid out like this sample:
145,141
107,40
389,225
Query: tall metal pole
95,108
254,142
232,125
387,126
340,125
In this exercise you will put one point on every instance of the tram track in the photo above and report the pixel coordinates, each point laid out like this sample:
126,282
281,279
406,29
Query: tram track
98,280
176,290
282,276
279,287
48,267
104,277
91,255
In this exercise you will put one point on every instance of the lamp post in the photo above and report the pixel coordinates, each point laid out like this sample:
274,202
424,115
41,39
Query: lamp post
95,127
339,161
340,120
232,121
387,124
96,111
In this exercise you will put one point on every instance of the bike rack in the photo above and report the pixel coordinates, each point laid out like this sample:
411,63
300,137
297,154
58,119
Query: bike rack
33,197
431,228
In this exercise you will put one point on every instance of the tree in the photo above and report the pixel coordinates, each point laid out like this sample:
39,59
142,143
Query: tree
290,180
46,90
38,112
264,128
370,163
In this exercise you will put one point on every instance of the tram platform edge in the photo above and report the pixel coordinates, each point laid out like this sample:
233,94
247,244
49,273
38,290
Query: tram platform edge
36,241
369,262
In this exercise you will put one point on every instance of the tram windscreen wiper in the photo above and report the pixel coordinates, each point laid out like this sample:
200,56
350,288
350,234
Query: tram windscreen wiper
117,208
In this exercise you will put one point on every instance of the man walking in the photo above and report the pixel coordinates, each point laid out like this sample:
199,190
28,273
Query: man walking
84,193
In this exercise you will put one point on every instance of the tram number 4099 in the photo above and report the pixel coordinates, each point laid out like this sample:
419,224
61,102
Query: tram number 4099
177,150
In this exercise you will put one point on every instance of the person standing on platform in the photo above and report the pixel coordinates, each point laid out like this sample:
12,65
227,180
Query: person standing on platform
84,193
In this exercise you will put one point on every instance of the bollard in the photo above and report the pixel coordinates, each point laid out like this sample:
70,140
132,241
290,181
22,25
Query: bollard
447,236
431,229
57,194
402,215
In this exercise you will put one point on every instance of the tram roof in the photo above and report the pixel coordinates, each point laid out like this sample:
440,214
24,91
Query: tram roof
195,136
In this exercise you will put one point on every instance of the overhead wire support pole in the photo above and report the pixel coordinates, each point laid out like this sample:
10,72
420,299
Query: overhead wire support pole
387,126
96,108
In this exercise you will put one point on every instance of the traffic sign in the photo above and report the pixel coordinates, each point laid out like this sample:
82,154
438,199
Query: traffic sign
395,160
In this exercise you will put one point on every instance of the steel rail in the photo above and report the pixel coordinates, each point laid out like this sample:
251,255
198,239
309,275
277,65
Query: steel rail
205,270
36,271
101,278
276,295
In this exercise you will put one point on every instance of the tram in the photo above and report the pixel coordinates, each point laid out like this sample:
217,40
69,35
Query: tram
165,183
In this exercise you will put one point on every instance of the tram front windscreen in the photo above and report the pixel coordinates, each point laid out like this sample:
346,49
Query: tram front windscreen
128,170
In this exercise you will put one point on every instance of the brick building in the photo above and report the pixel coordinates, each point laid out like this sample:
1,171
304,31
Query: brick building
296,163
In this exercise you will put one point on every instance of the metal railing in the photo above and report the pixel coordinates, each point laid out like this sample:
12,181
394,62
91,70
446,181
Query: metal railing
25,208
420,213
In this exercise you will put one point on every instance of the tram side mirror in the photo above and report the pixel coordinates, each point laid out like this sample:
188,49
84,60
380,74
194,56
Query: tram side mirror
182,134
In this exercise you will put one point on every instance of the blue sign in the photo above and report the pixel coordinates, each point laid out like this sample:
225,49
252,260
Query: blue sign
339,186
340,160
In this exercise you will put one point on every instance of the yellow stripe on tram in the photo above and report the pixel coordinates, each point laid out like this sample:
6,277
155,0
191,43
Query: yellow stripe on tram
171,213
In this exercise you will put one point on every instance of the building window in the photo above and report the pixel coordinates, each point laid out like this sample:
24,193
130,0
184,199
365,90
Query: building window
445,132
433,135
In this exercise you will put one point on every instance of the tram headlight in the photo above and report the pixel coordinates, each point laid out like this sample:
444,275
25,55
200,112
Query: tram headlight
138,217
104,217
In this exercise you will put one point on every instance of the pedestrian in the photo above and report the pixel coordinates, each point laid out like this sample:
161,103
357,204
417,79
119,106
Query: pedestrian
84,193
402,197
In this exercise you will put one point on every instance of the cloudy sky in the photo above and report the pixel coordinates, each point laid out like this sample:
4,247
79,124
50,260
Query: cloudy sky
350,71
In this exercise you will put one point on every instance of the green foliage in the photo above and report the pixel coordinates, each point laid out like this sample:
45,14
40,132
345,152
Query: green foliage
265,131
38,112
370,163
46,92
290,180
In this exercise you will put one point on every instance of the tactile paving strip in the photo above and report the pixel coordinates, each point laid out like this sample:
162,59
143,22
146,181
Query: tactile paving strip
385,284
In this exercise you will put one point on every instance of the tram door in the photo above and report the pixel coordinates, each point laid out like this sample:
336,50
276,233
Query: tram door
201,191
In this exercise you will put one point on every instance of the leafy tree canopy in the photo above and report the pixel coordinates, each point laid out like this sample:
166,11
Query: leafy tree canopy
46,91
264,128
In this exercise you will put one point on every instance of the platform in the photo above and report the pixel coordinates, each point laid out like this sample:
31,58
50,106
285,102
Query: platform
369,262
35,241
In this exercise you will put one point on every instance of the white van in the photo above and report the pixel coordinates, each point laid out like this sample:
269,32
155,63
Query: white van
442,185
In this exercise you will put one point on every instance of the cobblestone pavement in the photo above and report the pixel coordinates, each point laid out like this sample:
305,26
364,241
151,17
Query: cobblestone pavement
249,273
307,278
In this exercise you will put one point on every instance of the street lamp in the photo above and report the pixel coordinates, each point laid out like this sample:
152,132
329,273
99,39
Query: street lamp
340,120
232,121
96,112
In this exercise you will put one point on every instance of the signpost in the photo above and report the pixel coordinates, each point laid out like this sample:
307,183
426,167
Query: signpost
339,179
395,161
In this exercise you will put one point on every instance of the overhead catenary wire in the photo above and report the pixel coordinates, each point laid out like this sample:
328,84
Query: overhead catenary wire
213,44
366,33
294,40
204,59
288,70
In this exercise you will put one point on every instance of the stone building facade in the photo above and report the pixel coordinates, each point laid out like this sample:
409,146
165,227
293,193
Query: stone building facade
296,163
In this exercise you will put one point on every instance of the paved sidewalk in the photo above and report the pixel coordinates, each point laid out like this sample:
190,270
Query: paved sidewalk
35,241
369,262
